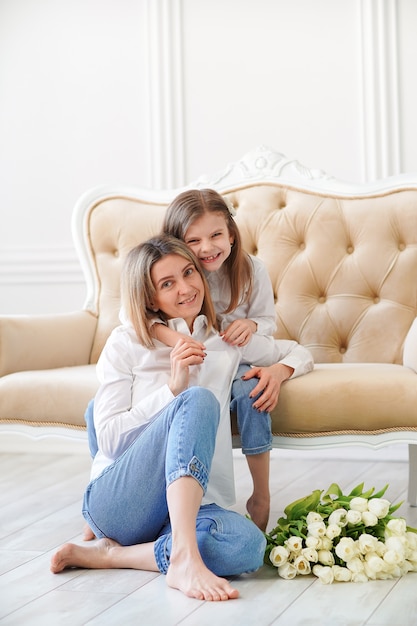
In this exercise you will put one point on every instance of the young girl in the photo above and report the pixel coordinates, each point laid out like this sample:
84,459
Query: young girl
242,294
164,469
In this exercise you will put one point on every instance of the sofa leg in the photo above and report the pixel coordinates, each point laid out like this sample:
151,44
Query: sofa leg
412,474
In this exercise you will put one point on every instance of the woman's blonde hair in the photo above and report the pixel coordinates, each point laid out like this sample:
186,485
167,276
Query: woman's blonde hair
192,204
138,290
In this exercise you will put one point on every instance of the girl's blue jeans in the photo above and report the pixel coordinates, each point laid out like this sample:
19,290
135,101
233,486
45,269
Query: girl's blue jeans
254,426
127,501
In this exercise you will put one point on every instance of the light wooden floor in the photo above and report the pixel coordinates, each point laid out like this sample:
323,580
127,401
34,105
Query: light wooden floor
40,498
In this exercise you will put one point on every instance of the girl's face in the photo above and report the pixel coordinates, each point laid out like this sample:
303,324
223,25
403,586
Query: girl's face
179,288
209,238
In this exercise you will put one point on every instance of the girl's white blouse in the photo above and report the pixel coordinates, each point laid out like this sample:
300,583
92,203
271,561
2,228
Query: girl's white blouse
260,308
134,387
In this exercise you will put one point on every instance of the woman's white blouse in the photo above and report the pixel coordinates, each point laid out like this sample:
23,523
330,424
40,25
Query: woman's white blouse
134,387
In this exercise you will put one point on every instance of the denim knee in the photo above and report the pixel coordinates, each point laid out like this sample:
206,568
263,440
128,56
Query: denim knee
203,397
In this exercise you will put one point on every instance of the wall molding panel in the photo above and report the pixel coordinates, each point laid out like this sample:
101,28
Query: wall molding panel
380,88
166,94
37,266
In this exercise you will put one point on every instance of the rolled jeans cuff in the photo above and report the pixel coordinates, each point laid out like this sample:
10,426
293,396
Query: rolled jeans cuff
258,449
195,468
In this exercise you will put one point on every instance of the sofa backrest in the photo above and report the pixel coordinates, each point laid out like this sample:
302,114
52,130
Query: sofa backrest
343,267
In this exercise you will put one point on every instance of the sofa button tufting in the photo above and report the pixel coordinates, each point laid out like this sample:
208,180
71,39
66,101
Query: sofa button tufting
349,249
322,299
401,247
116,253
377,299
342,350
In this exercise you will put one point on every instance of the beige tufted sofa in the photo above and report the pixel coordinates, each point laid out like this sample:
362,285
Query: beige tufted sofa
343,264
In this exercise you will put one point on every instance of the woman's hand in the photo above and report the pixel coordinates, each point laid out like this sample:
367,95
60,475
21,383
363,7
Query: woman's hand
187,351
269,385
239,332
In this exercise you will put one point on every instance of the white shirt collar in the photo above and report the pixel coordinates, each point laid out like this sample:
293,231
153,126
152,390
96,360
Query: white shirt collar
181,326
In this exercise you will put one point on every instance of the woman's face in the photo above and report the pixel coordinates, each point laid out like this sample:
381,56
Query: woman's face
179,288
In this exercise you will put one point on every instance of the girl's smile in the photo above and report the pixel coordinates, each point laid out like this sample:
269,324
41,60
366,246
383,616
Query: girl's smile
208,237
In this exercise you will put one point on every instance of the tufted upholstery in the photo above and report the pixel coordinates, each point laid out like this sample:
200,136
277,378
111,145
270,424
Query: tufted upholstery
343,265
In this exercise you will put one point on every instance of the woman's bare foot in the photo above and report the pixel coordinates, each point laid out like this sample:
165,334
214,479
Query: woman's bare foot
195,580
88,534
96,556
258,509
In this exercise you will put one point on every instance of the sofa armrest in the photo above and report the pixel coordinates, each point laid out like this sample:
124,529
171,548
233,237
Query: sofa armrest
410,347
38,342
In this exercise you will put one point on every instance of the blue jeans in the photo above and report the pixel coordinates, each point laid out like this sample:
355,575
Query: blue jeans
254,426
127,501
91,429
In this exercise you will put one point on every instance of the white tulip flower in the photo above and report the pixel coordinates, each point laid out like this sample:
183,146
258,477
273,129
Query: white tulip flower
355,565
312,542
310,554
411,540
278,555
338,517
302,565
354,517
346,549
379,506
317,529
313,517
367,543
333,530
324,574
358,504
374,563
396,526
325,543
396,543
393,557
294,544
287,571
369,518
326,557
341,574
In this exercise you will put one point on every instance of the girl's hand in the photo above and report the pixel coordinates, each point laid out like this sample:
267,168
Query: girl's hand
239,332
186,352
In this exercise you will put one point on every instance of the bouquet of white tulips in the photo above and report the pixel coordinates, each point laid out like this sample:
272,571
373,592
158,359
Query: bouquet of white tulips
341,537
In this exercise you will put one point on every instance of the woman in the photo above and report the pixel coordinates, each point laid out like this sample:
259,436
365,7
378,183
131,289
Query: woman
164,469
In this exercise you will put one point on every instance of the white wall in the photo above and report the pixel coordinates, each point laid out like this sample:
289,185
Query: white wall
155,93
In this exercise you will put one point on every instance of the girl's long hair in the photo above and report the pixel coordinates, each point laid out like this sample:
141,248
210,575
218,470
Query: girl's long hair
138,290
192,204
